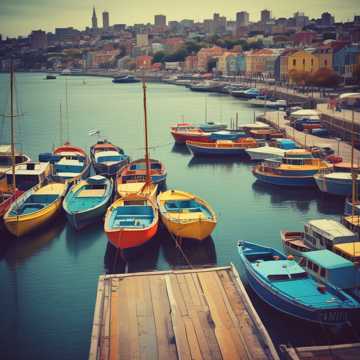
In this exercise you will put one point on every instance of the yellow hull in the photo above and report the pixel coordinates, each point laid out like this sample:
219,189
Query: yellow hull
197,230
127,189
24,224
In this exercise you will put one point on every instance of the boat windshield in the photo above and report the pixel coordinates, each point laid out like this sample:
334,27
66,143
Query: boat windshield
110,158
281,277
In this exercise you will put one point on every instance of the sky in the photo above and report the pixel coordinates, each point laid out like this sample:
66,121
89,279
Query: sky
20,17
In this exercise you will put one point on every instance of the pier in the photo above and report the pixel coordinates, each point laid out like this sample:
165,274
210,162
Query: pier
177,314
342,148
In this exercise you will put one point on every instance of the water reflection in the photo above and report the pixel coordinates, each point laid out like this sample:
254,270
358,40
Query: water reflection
77,241
28,246
180,149
139,259
226,163
300,198
198,253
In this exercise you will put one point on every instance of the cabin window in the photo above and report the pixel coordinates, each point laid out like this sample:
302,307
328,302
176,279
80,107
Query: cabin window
315,268
302,275
322,272
278,277
309,265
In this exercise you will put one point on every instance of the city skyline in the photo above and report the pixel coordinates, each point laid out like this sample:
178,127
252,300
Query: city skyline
20,18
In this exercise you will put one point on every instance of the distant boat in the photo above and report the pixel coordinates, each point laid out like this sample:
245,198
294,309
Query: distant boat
246,94
34,208
87,201
221,147
136,172
70,163
186,215
295,168
50,77
277,149
336,183
107,158
318,234
125,79
6,158
287,287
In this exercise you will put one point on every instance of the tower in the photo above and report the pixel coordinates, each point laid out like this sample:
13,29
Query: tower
94,19
105,16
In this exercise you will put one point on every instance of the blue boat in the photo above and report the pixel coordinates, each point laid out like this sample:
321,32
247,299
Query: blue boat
107,158
226,135
283,284
125,79
336,183
87,201
295,169
211,126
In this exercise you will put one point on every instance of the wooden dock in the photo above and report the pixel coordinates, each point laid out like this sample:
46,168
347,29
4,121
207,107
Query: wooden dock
177,314
331,352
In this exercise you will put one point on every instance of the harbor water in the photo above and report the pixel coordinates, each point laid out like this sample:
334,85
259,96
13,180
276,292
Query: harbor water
48,280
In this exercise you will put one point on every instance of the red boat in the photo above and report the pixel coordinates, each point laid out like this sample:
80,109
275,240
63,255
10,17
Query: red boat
181,136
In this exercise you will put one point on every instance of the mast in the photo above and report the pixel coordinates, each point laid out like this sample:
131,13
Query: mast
61,127
67,111
12,115
148,177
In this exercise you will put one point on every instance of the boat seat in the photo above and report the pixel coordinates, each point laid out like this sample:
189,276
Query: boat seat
129,216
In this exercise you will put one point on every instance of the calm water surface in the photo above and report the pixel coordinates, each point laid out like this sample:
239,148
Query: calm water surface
48,280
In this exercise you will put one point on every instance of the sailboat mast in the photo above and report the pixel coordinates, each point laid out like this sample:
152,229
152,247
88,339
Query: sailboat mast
148,178
61,127
12,115
353,172
67,111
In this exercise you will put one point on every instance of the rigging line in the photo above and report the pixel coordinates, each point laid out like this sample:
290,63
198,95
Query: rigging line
178,246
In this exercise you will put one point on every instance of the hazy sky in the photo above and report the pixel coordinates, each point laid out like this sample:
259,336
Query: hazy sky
19,17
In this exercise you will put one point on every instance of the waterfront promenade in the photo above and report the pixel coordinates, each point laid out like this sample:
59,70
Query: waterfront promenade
342,148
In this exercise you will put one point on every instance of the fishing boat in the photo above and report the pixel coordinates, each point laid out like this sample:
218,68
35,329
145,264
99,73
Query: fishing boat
335,183
284,285
125,79
295,169
87,201
221,147
7,195
136,172
251,93
6,158
133,220
107,158
123,190
328,267
29,174
272,150
186,215
70,163
50,77
34,208
318,234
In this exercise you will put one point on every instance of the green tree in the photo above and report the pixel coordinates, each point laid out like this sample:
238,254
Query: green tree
158,57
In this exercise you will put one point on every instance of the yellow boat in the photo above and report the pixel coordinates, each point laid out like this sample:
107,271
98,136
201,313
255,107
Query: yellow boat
186,215
131,188
34,208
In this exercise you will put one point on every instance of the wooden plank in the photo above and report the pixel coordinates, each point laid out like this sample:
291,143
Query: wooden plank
105,346
271,351
248,333
145,320
193,291
180,301
97,322
200,291
229,345
161,309
185,292
182,345
114,325
192,339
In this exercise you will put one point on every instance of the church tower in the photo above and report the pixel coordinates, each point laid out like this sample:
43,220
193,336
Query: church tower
94,19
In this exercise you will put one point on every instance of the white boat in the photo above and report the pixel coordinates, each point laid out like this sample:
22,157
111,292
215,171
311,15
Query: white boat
265,152
6,158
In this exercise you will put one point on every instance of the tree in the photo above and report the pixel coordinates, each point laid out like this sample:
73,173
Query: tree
192,47
324,77
299,77
158,57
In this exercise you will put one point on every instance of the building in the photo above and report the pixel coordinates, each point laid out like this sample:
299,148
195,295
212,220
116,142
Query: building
106,23
327,19
222,63
38,39
173,43
143,62
68,34
102,58
142,40
261,62
346,60
303,62
191,63
160,20
300,19
206,54
325,55
281,72
304,38
219,24
242,19
265,16
94,19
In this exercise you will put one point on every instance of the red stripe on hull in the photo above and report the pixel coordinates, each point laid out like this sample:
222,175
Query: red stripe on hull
182,138
126,239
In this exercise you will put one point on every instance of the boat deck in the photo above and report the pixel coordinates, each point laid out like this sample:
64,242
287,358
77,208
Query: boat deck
185,314
331,352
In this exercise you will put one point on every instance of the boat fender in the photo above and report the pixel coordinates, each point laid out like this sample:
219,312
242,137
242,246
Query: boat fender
290,257
321,288
276,257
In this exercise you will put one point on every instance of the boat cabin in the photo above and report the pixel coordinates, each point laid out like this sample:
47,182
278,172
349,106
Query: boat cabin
29,174
325,233
328,267
350,251
6,158
108,156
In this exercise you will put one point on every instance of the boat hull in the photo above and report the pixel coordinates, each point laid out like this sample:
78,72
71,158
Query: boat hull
197,230
125,239
290,181
259,156
215,151
109,170
340,187
181,138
